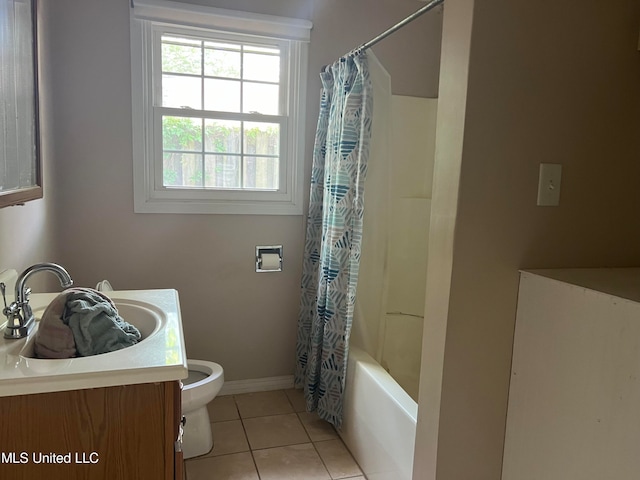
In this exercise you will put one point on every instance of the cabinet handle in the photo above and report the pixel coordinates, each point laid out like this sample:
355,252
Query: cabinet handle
178,443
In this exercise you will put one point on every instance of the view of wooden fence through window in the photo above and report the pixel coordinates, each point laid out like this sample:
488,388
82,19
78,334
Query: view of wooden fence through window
221,115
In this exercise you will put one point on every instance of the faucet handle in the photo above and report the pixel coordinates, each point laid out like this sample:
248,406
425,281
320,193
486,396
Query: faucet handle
10,310
3,289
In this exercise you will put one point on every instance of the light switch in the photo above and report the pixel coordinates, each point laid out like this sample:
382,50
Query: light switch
549,184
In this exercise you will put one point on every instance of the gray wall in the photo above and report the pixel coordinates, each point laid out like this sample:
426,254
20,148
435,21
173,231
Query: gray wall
243,320
559,84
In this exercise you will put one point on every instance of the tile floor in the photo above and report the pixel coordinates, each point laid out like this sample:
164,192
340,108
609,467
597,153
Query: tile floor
270,436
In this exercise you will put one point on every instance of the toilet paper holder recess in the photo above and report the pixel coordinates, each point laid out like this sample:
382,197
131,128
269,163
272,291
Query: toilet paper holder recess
265,256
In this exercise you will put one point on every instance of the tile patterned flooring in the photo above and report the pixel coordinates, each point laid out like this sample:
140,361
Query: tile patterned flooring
270,436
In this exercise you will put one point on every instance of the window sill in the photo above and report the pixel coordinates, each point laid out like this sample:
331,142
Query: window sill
217,207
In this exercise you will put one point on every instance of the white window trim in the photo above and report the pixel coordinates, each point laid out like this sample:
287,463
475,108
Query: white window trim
150,199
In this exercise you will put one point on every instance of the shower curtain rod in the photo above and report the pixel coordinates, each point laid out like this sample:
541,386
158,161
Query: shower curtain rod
432,4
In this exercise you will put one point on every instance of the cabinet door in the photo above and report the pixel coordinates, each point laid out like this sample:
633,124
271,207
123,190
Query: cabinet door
104,433
179,468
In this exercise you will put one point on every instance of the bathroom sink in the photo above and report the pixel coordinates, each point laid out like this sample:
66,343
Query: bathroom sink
159,357
145,317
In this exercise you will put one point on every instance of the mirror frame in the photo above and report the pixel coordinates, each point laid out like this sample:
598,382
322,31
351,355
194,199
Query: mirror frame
19,196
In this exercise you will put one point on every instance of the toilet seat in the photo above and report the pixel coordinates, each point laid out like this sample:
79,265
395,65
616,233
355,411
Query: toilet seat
198,394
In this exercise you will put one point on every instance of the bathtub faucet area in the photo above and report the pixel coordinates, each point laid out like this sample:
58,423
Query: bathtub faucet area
19,314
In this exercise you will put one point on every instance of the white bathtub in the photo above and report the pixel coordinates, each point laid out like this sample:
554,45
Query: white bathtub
379,421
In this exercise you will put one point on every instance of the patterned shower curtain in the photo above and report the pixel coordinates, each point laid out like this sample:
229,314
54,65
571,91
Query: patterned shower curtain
334,234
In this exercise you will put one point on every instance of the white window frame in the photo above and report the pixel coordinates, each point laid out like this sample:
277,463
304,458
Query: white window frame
149,18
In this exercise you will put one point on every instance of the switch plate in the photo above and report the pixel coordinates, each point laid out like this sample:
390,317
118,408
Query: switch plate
549,184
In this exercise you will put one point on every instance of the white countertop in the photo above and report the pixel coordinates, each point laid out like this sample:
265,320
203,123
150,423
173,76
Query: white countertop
158,358
623,282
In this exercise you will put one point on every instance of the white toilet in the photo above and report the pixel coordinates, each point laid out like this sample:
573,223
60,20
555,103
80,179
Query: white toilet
199,388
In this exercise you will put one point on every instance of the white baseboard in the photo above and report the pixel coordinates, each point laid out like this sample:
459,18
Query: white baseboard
235,387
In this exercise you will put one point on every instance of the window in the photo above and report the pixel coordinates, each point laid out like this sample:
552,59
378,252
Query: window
229,136
218,120
20,165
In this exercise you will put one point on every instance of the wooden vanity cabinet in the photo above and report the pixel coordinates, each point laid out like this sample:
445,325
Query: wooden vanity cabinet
122,432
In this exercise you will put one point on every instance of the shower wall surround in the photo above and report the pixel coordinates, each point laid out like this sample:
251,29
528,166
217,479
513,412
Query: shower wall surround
390,299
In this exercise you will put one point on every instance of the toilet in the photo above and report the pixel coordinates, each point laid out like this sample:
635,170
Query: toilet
199,388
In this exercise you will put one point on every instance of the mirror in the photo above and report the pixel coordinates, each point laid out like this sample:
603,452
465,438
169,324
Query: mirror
20,166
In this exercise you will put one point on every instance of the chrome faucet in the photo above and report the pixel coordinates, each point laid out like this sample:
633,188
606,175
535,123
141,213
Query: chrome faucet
19,314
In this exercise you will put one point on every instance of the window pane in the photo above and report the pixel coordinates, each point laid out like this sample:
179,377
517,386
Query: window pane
182,169
181,91
261,98
182,133
181,58
256,49
221,136
265,68
221,63
261,173
182,40
224,46
261,138
222,95
222,171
